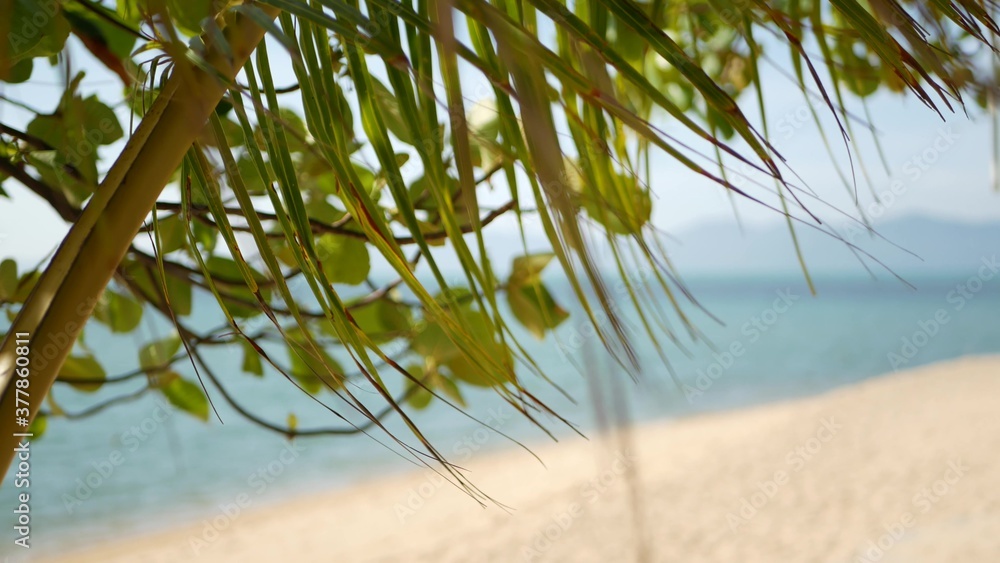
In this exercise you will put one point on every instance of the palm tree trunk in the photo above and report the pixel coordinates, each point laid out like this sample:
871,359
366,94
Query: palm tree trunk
60,304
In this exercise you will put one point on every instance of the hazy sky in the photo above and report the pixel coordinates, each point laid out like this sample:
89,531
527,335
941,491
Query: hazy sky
957,185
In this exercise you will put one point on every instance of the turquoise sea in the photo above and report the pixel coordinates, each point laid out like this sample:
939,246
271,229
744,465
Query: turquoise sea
139,467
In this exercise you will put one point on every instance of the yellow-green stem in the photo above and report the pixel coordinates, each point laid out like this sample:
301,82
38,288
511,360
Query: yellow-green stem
65,296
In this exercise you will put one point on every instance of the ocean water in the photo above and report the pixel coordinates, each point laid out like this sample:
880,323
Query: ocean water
138,467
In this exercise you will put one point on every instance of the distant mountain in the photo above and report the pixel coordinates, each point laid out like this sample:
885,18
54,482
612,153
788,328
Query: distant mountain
940,246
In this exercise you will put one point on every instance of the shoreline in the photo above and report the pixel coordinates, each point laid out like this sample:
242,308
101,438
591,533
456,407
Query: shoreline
718,485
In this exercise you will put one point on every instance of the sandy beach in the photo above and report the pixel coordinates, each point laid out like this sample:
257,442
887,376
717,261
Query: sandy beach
900,468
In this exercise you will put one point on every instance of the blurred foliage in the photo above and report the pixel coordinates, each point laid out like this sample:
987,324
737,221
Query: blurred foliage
280,214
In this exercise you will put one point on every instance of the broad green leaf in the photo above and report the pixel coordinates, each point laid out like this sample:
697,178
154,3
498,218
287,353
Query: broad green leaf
187,396
285,254
206,236
25,285
464,368
366,176
76,130
239,299
622,208
467,371
163,379
225,270
99,121
451,389
719,123
82,367
417,396
173,234
309,371
79,125
680,94
8,280
234,135
295,130
858,74
138,275
179,293
383,320
37,29
251,178
421,195
534,307
323,211
251,360
527,269
155,355
54,168
20,73
188,15
423,198
344,259
432,342
130,11
630,45
121,313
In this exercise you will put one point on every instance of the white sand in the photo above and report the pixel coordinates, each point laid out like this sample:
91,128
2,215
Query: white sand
916,454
